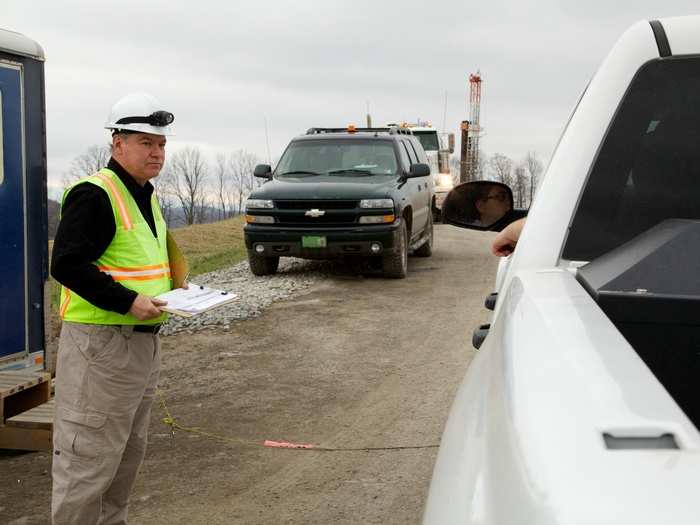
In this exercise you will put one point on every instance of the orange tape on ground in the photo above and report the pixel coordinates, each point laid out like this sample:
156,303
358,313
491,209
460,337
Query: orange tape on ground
284,444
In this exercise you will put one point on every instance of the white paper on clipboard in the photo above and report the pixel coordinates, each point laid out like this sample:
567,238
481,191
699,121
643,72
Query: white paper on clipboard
194,300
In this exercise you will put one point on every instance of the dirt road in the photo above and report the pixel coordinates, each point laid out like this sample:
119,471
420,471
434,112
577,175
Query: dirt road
359,363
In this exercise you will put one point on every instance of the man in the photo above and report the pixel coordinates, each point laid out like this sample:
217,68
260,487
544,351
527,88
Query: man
110,256
493,205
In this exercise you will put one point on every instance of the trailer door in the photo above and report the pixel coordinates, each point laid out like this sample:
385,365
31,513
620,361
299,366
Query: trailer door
13,307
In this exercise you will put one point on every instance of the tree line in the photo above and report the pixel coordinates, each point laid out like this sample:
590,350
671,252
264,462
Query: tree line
522,176
190,189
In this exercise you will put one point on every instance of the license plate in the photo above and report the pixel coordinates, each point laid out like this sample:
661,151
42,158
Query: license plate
313,241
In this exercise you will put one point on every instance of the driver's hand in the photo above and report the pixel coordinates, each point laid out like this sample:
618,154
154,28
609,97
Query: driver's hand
504,243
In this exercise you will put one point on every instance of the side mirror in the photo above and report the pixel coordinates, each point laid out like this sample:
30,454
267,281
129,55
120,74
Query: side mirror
451,142
480,205
263,170
418,170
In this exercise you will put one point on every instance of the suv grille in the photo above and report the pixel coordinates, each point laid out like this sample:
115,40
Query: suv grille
335,212
317,204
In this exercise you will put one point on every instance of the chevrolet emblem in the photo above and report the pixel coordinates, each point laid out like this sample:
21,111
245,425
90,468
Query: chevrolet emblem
315,213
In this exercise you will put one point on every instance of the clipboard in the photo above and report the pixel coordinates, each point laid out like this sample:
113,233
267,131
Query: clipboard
194,300
179,269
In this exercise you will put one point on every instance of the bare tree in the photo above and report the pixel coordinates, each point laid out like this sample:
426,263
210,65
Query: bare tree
243,164
534,169
520,186
161,185
186,183
222,177
86,164
501,168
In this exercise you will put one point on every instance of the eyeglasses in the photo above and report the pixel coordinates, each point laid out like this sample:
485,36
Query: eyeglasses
157,118
500,197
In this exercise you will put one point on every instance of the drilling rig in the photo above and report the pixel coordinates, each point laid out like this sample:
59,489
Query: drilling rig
471,131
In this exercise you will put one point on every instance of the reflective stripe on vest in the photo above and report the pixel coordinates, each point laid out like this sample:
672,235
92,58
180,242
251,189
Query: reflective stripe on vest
123,212
135,258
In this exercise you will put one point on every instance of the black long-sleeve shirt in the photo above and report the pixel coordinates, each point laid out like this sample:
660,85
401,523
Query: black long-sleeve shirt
85,231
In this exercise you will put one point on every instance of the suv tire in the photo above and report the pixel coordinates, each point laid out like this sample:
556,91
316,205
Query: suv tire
395,265
426,249
261,265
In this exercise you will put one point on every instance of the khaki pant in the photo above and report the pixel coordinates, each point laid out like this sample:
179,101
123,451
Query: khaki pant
106,378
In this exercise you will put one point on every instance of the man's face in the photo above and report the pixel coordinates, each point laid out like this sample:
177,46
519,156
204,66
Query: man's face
141,154
494,206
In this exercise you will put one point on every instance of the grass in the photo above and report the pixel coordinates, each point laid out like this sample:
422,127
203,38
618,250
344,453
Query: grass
207,247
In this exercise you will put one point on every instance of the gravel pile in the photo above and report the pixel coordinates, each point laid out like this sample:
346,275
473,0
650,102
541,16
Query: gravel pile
254,293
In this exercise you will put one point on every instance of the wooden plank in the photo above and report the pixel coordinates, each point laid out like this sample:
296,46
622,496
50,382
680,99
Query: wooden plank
25,438
13,382
39,417
22,391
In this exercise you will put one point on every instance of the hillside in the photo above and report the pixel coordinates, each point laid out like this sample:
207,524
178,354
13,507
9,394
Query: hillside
208,247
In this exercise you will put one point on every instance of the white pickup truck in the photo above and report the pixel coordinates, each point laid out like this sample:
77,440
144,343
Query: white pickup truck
582,406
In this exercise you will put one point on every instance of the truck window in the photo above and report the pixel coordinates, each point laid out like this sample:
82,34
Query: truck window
428,139
411,153
405,160
375,157
648,166
420,151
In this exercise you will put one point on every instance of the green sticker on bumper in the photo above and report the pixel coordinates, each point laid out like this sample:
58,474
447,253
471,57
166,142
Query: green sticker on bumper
313,241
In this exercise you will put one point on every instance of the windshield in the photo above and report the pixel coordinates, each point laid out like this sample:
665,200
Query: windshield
338,157
648,167
428,139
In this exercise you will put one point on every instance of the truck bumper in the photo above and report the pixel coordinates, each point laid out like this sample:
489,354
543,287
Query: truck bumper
287,242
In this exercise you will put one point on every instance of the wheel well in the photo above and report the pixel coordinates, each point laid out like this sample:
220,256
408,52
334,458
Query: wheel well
408,217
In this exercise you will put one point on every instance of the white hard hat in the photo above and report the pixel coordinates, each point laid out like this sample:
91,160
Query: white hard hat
140,112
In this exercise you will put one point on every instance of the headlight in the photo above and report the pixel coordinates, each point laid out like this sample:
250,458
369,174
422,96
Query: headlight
444,180
376,219
252,204
259,219
376,203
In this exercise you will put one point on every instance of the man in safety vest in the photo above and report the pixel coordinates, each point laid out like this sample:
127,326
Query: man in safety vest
110,256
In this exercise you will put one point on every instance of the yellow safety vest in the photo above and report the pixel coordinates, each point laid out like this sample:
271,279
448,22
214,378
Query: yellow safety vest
134,258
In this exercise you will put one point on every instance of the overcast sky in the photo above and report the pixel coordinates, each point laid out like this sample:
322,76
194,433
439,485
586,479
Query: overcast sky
225,67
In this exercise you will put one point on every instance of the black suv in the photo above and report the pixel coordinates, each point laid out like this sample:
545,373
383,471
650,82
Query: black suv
338,192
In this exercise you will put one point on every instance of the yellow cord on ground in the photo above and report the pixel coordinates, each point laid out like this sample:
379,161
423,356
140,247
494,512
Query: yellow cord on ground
173,424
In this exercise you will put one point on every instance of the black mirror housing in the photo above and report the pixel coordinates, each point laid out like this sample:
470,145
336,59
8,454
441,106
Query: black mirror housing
418,170
263,170
480,205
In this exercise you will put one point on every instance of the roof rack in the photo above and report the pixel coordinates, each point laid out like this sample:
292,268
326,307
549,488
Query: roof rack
391,130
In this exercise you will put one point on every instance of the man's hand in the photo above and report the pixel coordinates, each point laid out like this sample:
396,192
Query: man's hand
144,307
504,243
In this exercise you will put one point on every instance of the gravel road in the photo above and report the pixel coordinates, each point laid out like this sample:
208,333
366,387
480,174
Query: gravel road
360,365
254,293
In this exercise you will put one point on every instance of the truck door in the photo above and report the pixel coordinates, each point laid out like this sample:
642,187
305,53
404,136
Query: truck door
420,193
13,303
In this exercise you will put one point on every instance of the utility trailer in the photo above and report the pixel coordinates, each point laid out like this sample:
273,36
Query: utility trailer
24,382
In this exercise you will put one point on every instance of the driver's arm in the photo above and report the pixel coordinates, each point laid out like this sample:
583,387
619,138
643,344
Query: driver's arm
504,243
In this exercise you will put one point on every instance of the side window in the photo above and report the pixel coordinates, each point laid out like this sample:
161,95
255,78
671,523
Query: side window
420,151
2,154
403,153
415,152
411,152
648,166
